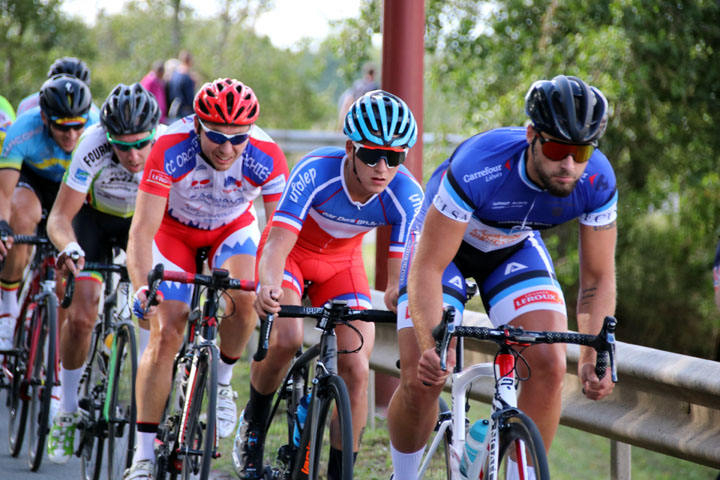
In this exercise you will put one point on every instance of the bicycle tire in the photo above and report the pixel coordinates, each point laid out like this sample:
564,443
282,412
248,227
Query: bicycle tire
199,437
17,364
333,397
439,466
122,408
517,427
279,450
43,377
94,430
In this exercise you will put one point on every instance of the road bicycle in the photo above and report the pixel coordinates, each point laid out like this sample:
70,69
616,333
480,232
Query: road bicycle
30,368
511,433
328,396
107,385
187,433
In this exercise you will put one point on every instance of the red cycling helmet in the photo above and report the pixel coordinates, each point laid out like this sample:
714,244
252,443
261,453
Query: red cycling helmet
227,101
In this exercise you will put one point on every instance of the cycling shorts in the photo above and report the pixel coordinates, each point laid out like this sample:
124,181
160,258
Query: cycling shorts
512,281
97,233
175,246
332,275
44,189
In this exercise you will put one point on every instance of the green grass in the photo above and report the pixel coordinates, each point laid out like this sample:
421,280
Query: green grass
574,455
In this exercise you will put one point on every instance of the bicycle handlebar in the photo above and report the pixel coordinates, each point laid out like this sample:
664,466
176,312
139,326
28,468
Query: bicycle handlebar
29,239
90,266
603,342
219,280
327,317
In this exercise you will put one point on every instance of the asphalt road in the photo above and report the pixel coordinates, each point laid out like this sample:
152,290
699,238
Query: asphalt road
17,468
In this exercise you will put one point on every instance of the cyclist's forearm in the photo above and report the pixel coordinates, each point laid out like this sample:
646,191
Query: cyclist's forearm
595,302
425,303
60,231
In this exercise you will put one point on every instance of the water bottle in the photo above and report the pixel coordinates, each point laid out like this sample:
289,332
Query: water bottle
473,443
301,416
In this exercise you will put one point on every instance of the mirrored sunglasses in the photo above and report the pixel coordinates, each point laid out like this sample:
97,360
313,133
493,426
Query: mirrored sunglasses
65,124
137,144
370,156
220,138
556,150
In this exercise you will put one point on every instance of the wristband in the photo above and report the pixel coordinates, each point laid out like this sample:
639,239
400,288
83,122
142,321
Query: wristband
71,248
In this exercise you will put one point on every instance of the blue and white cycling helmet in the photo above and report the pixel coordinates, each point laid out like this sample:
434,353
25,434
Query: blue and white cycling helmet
381,118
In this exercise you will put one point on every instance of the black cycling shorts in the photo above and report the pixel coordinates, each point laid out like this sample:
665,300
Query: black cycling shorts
97,233
44,189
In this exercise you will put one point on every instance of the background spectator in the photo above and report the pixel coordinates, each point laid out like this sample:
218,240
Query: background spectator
154,83
181,88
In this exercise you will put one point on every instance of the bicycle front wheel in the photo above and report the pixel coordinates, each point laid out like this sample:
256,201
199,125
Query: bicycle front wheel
43,376
279,448
199,435
519,434
122,408
93,429
334,404
17,392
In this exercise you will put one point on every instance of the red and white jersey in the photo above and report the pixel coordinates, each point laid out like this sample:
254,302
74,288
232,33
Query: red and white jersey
200,196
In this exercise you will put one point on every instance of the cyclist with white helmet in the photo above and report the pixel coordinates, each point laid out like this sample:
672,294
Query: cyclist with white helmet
92,214
37,149
483,212
197,192
333,197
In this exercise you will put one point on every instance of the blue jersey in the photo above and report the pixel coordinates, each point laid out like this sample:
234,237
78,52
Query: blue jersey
317,205
485,184
28,142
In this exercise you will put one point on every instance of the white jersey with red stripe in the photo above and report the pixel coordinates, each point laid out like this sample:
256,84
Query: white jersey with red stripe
317,206
200,196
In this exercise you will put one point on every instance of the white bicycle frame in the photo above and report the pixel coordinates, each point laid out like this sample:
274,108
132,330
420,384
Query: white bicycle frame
504,396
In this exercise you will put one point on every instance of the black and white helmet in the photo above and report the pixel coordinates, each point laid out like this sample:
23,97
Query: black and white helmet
72,66
129,109
65,96
567,108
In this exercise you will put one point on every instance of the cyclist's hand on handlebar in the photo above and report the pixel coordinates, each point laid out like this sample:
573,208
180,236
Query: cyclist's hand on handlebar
391,298
71,260
140,302
6,239
429,371
594,388
267,300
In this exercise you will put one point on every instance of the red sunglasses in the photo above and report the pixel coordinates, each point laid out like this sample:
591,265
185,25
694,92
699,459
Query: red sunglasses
556,150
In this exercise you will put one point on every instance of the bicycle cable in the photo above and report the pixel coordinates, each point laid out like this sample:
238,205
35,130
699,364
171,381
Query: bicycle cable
357,332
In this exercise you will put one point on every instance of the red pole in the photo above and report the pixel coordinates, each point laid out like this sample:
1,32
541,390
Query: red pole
402,74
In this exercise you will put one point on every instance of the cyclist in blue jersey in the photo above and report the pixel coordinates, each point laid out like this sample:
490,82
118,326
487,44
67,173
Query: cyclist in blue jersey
333,197
92,214
36,151
68,65
483,212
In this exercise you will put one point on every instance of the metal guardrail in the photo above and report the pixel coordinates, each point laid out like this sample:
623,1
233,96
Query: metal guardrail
665,402
304,141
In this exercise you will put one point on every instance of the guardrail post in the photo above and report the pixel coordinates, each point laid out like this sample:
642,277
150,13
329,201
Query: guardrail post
620,454
371,399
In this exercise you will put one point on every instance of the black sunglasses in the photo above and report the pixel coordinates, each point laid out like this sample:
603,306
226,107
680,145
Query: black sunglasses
371,156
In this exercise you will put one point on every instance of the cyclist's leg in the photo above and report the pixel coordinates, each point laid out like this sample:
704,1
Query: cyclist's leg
530,296
26,212
412,413
167,328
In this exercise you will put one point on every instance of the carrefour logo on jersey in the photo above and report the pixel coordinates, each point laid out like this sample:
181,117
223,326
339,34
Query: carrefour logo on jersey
302,181
493,173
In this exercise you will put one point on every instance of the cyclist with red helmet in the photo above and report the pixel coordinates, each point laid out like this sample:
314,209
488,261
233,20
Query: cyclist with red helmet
197,191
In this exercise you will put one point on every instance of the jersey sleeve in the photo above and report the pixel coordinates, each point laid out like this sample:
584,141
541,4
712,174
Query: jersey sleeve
155,180
296,201
265,166
602,194
13,147
406,199
451,200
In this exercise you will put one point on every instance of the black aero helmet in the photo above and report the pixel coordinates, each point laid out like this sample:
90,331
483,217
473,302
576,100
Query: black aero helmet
72,66
129,109
567,108
65,96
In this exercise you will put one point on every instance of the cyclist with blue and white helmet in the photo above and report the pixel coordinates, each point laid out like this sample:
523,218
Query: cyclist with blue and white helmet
333,197
483,213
